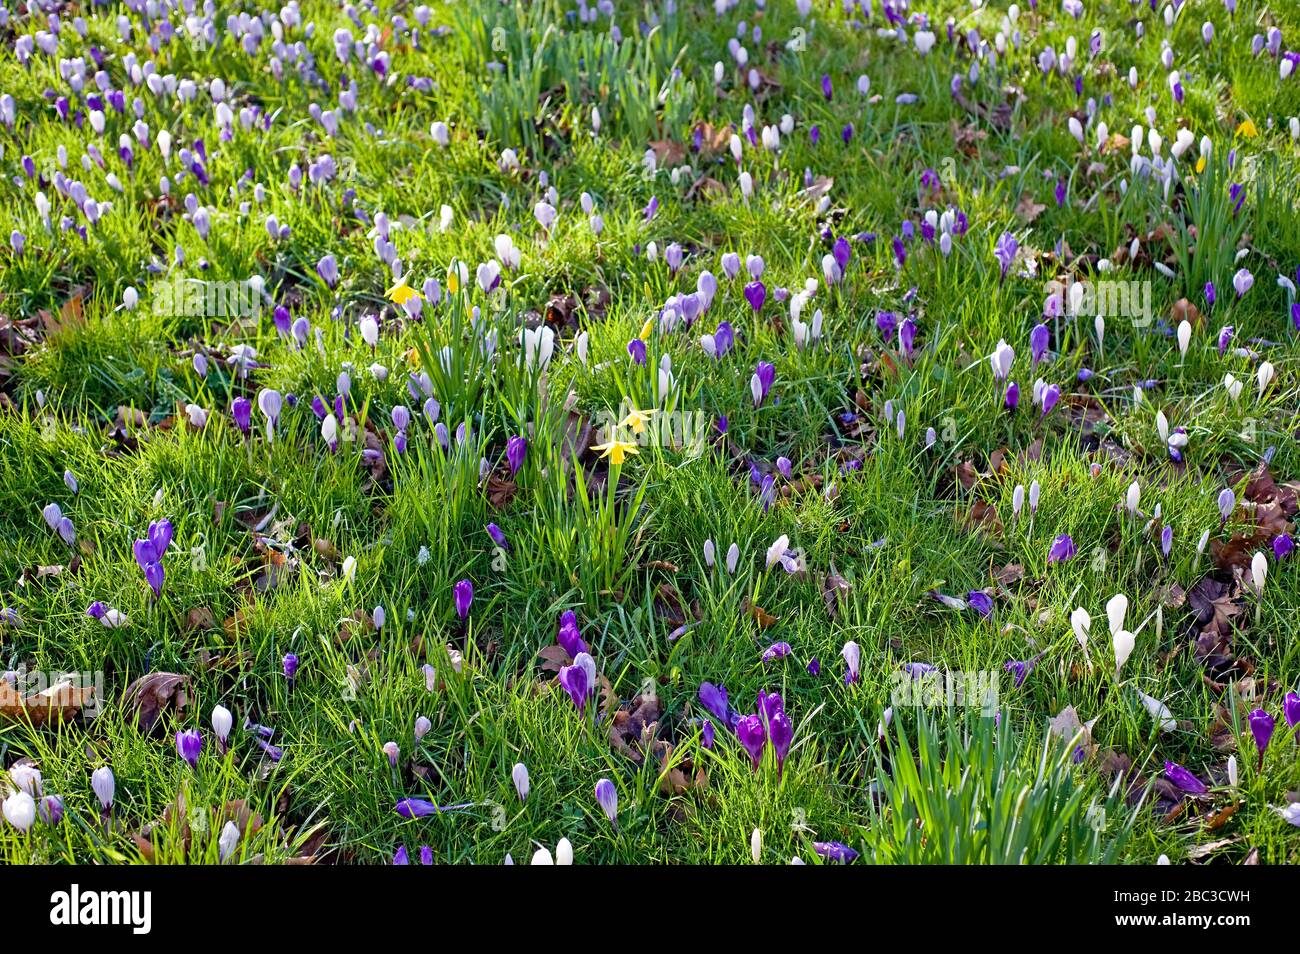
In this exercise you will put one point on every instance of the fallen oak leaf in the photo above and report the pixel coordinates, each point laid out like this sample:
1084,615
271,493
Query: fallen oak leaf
153,692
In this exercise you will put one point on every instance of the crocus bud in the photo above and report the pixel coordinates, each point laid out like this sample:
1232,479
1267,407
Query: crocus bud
519,774
228,841
189,743
564,852
222,720
1261,727
51,810
103,785
756,845
607,798
392,750
20,810
463,595
422,727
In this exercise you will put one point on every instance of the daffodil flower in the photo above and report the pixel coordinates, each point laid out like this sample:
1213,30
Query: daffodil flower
401,292
637,420
616,450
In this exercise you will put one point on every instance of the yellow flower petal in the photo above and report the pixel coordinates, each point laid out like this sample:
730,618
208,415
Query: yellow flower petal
648,327
1247,129
401,293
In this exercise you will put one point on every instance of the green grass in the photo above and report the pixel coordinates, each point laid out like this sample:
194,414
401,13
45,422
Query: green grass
262,527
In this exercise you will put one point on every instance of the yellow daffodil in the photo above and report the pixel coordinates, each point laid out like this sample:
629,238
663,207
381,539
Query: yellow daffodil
648,327
401,292
1200,165
1247,129
637,420
616,450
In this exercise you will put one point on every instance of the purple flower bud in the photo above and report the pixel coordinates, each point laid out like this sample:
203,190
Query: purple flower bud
752,735
574,680
241,408
636,349
781,731
1283,546
607,798
1051,395
51,810
1012,397
1062,548
189,743
498,537
1261,727
290,666
1184,779
1038,343
835,851
516,450
981,602
1291,711
756,294
463,595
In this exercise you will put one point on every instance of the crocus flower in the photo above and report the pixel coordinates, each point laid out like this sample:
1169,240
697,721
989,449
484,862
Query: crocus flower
1062,548
103,785
1005,252
1051,395
20,811
776,651
189,743
1291,712
1242,281
222,721
752,735
781,731
756,294
498,536
1038,343
574,680
760,383
852,654
1261,727
51,810
516,450
1283,546
707,733
1184,779
835,851
636,349
1001,360
714,699
290,666
607,799
519,775
463,595
241,409
1012,397
981,602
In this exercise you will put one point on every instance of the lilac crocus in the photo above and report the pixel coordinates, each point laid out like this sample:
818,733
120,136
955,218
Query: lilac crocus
189,743
290,666
1283,546
498,537
1242,281
714,699
1051,395
516,450
607,799
1062,549
852,654
776,651
756,294
328,269
1184,780
1038,343
568,636
752,735
241,409
835,851
707,734
1261,727
1005,252
636,349
761,381
981,602
574,680
463,595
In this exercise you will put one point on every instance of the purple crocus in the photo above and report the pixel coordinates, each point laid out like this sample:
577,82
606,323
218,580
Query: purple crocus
241,409
636,349
607,799
761,382
463,595
189,742
1261,727
498,537
574,680
1283,546
776,651
1291,712
290,667
1012,397
570,639
1184,780
1005,252
981,602
1062,549
756,294
707,734
781,731
1038,343
752,735
328,269
516,450
714,699
835,851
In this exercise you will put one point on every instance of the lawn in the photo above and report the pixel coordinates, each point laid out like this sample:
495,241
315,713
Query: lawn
650,432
